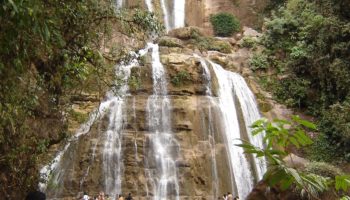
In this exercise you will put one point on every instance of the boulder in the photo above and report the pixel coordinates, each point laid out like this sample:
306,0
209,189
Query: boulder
249,32
166,41
186,32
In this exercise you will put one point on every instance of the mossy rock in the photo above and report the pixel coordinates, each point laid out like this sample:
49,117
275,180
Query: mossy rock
186,33
169,42
323,169
264,106
221,46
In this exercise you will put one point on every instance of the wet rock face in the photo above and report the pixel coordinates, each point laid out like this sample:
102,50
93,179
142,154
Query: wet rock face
191,114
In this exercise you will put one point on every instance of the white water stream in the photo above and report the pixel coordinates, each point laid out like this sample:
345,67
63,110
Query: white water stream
163,145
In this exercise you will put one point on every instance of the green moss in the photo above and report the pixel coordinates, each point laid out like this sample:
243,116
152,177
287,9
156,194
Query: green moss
181,78
221,46
249,42
169,42
134,83
211,44
78,116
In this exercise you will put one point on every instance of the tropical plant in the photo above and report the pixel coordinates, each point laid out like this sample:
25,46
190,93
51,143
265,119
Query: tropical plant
278,135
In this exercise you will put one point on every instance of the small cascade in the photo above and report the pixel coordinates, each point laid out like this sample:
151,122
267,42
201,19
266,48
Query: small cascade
174,14
179,13
251,114
163,146
58,171
149,5
135,135
112,151
166,15
119,3
210,123
241,169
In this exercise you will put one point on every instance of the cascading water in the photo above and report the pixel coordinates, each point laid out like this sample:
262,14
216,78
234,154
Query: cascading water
58,171
167,22
179,13
163,146
232,85
210,123
149,5
251,114
119,3
174,18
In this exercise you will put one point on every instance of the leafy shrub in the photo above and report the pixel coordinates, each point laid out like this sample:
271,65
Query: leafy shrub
224,24
323,169
310,40
322,150
258,61
134,82
335,124
180,78
292,91
312,181
248,42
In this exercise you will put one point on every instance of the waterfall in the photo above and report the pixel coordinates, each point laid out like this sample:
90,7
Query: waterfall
251,114
174,18
59,169
225,109
210,123
119,3
166,16
163,146
179,13
232,85
149,5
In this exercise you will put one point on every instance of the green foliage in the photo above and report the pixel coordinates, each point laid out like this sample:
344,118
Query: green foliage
342,182
323,169
180,78
249,42
311,41
48,48
134,82
224,24
146,21
280,134
78,116
293,91
335,124
258,62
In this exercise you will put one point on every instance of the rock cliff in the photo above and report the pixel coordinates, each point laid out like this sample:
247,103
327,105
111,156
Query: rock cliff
195,125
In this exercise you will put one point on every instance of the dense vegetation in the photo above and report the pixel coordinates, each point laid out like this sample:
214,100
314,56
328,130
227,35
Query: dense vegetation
48,49
313,180
224,24
307,46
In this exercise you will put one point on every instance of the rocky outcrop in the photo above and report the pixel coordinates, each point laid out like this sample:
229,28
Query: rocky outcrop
191,111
